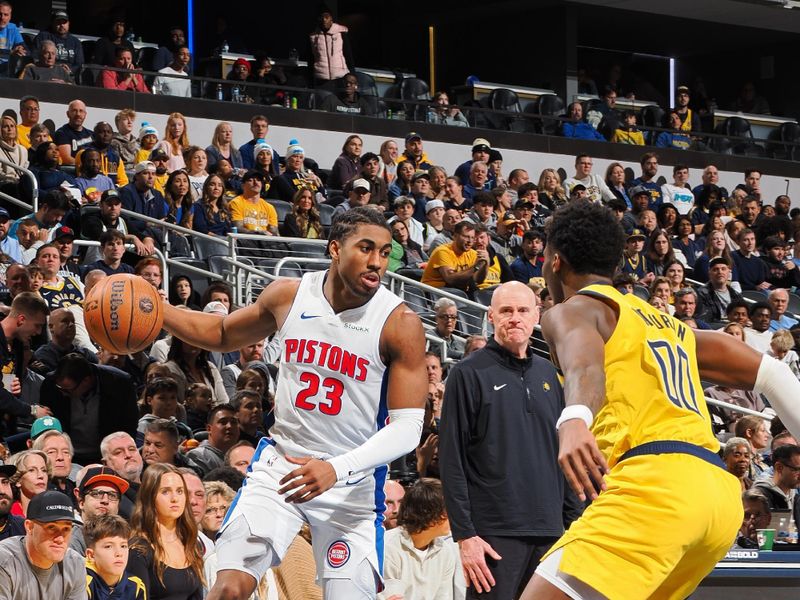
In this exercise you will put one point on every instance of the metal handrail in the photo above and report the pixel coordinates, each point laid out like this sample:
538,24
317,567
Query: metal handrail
131,248
172,226
737,408
34,186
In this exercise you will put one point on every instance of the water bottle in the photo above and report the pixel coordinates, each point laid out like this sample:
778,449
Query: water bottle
234,230
129,35
294,102
389,114
294,56
236,95
225,47
220,95
287,102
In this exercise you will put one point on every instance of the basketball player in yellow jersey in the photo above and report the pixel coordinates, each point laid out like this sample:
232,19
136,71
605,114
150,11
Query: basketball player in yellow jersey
636,427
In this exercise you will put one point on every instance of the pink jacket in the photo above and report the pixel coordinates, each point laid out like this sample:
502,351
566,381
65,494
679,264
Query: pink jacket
328,50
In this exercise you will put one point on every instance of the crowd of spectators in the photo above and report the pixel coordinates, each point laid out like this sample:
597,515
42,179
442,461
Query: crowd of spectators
185,421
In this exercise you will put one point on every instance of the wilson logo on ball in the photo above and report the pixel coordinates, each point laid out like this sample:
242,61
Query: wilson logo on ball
117,298
338,554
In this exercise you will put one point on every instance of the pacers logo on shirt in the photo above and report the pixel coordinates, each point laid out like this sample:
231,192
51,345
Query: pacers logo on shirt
338,554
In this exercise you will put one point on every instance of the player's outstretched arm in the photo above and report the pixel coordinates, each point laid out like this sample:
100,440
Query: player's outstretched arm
242,327
724,360
573,332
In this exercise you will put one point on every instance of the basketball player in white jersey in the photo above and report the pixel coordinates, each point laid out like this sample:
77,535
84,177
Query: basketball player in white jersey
350,399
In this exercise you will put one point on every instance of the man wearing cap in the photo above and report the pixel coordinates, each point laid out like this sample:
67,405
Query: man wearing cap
63,239
714,297
359,195
8,245
414,153
41,564
99,492
690,120
249,211
69,50
370,167
640,200
139,196
634,261
94,224
10,525
596,188
174,80
480,153
72,136
421,193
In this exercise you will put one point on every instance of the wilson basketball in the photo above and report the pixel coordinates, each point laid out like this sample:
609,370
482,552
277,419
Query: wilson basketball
123,313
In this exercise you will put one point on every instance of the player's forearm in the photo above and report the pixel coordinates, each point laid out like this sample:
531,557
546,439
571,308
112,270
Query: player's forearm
585,384
777,382
203,330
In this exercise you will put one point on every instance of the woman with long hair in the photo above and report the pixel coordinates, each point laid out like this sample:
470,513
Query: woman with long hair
414,256
454,195
222,147
615,180
402,184
33,472
176,141
666,216
660,252
685,240
211,213
716,246
196,167
303,221
13,152
189,364
164,552
178,194
551,192
263,164
676,275
699,214
348,164
388,163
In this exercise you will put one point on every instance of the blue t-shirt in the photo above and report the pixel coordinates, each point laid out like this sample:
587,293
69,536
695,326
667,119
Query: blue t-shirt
10,37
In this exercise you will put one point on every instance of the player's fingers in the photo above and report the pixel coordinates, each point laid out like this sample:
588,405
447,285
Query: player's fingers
579,467
588,473
293,484
572,480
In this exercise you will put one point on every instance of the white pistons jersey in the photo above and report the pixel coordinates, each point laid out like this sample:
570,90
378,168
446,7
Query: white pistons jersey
331,391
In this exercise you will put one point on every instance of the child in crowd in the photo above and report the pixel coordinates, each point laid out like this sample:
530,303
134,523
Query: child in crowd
161,402
148,138
780,347
627,132
106,558
36,276
198,403
124,142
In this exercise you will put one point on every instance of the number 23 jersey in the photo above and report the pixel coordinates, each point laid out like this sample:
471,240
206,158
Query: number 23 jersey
653,387
331,390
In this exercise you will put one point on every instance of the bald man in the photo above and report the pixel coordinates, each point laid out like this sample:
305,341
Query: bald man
506,496
72,136
394,493
91,279
62,342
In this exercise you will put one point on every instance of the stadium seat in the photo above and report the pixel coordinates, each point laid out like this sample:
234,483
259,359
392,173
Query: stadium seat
651,115
507,101
789,133
794,304
317,98
326,213
549,105
281,207
641,292
415,89
199,282
306,249
205,248
290,269
366,84
754,295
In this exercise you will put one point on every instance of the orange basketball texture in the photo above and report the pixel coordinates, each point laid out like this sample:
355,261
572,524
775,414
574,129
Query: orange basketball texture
123,313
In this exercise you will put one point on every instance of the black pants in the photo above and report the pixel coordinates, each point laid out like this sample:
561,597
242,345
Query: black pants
521,556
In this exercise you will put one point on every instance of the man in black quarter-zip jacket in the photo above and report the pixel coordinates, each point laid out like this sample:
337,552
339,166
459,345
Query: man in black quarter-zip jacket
505,494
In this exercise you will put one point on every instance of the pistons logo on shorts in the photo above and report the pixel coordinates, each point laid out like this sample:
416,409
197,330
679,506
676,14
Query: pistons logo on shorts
338,554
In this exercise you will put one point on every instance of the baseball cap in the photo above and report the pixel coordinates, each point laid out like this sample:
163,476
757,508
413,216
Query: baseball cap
413,136
431,204
159,154
145,165
719,260
7,470
420,175
107,475
111,196
216,307
4,214
578,187
60,15
360,184
253,174
523,204
636,233
639,190
43,424
50,506
63,232
682,89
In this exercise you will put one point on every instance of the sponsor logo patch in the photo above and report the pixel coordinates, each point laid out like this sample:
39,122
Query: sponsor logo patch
338,554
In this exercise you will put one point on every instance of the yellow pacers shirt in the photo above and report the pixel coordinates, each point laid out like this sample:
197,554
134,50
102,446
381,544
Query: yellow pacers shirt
255,216
653,388
445,256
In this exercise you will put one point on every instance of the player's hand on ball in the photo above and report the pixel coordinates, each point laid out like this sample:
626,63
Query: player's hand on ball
580,459
312,478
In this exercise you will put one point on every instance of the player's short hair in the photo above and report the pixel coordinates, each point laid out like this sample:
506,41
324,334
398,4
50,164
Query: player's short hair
349,221
29,303
105,526
588,236
423,506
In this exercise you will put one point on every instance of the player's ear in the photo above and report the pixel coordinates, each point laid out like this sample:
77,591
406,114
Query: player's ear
333,249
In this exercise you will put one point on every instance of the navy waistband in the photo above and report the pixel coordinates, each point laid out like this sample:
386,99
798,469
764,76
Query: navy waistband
675,447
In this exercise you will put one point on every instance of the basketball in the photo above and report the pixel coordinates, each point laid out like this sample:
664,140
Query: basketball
123,313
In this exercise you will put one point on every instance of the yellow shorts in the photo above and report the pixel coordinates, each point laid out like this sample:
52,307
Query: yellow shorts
661,526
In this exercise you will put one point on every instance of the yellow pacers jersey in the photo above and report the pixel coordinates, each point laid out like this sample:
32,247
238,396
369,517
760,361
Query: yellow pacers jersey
653,389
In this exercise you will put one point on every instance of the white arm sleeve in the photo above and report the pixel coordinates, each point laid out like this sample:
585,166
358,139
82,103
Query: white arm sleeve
777,382
398,438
